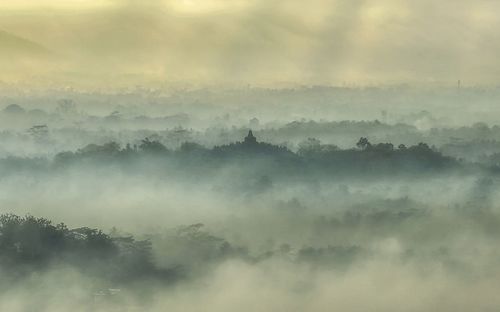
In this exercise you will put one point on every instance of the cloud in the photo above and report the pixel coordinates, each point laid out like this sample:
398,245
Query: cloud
217,41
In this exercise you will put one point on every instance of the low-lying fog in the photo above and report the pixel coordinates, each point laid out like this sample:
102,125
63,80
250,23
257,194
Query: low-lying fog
177,207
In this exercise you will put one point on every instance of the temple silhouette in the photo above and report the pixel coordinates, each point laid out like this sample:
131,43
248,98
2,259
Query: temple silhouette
249,146
250,139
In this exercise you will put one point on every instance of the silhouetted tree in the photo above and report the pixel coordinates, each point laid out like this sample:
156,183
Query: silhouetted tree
363,143
153,147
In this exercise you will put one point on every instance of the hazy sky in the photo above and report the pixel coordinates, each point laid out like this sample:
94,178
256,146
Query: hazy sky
112,42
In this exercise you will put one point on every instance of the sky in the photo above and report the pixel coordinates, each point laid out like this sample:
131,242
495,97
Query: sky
108,43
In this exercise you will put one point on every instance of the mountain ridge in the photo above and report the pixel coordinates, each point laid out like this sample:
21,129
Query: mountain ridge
13,44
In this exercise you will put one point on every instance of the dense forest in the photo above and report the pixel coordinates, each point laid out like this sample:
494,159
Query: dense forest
311,158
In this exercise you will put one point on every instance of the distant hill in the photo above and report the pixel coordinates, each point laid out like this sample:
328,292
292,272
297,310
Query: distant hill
12,45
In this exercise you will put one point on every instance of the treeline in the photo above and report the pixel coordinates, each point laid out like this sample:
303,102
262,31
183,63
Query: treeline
311,157
30,244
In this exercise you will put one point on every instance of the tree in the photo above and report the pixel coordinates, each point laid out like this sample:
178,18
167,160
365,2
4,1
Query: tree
14,109
110,148
384,147
154,146
309,146
39,132
363,143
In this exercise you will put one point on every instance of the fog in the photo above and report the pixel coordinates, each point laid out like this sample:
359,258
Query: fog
104,44
185,155
159,200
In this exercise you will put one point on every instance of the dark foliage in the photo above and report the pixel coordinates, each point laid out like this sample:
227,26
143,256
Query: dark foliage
29,243
311,159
